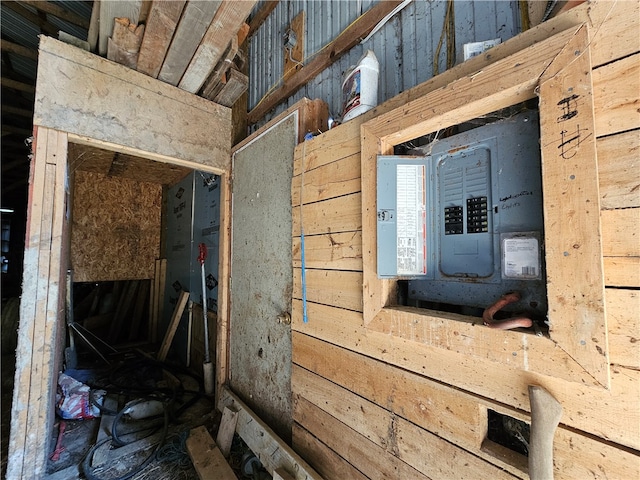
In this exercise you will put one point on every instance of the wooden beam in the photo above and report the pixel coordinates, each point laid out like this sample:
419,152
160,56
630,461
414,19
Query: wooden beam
228,19
124,130
173,325
236,84
16,85
11,47
124,45
327,56
272,451
573,245
109,11
57,11
210,87
195,21
261,15
94,26
163,19
43,24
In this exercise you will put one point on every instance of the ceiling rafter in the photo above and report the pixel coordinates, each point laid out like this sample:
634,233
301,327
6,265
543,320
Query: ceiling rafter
12,47
58,11
42,24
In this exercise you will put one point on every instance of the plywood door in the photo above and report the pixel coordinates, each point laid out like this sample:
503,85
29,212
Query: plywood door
261,274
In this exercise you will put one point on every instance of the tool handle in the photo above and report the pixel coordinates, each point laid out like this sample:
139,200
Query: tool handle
203,253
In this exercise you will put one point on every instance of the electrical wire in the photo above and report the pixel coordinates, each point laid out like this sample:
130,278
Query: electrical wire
120,380
89,472
448,32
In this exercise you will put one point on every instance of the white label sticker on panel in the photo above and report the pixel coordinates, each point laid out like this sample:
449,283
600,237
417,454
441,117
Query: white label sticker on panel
521,258
411,220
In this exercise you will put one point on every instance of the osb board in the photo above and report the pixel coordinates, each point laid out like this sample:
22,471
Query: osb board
115,231
97,160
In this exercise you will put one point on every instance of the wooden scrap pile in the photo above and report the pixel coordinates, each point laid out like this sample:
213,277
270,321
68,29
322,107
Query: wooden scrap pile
193,45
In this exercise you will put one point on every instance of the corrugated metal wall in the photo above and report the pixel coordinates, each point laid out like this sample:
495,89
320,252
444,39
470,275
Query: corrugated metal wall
405,46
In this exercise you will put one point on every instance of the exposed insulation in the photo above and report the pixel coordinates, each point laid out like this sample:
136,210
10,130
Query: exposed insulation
116,228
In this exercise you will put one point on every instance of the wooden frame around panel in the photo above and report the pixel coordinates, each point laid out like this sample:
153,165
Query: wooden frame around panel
553,69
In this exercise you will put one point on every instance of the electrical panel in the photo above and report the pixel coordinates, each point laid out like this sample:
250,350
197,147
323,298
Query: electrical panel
462,220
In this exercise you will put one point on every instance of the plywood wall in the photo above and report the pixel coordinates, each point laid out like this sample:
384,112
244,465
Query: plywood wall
373,405
115,232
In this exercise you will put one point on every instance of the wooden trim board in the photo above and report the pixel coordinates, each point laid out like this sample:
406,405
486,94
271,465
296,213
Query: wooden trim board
183,298
496,86
137,131
41,317
272,451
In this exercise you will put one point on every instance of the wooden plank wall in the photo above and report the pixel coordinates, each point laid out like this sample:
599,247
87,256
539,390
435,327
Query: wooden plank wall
363,406
41,334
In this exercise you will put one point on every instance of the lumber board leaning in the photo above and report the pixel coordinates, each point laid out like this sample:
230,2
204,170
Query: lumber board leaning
227,428
272,451
183,298
182,138
234,87
161,24
124,45
210,87
207,457
619,422
229,18
282,474
193,25
261,15
109,11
